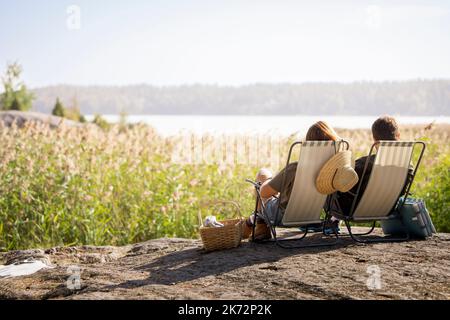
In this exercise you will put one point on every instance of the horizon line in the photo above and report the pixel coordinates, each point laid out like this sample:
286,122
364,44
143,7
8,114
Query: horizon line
263,83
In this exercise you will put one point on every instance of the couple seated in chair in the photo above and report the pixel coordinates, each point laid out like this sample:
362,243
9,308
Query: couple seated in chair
384,128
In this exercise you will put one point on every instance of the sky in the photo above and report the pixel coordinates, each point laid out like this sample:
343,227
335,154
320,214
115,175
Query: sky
232,42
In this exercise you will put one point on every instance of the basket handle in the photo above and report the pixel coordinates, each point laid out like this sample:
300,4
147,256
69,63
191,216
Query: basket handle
216,203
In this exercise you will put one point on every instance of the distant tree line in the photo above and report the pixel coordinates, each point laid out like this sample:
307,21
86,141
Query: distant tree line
418,97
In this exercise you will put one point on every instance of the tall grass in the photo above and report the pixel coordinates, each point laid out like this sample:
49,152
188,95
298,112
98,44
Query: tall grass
71,186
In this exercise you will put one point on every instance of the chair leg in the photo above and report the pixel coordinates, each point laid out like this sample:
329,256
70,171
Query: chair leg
280,242
357,238
273,231
254,225
368,232
361,234
255,213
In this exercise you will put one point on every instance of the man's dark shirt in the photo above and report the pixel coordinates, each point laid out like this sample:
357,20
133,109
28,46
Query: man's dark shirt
346,199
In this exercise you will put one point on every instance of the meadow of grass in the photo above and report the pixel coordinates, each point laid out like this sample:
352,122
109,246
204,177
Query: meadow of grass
120,185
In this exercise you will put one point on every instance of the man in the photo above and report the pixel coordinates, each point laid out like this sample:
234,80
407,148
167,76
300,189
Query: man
384,128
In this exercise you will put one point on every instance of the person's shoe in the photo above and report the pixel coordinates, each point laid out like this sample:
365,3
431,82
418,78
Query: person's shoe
262,232
247,229
331,227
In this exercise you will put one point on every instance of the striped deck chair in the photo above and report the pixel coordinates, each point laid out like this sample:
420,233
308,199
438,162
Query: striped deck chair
305,202
380,200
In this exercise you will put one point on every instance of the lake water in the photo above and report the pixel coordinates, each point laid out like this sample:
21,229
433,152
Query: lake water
284,125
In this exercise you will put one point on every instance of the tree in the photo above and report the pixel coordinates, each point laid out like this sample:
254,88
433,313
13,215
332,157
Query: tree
59,109
73,112
101,122
15,105
15,94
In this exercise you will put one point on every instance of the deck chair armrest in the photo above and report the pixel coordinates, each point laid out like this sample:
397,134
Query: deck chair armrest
257,185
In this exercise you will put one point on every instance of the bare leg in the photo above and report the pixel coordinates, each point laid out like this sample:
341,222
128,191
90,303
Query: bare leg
262,176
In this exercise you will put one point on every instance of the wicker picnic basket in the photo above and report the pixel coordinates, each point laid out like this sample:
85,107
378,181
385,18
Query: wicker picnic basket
226,237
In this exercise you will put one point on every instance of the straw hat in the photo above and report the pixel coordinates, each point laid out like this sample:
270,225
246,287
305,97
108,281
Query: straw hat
337,174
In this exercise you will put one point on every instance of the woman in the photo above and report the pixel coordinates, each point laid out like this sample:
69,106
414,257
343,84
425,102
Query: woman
270,187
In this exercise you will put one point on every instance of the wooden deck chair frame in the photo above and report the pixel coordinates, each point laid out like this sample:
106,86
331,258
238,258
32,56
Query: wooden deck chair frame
336,211
326,201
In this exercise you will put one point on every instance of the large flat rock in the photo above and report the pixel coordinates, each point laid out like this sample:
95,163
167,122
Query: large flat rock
180,269
20,118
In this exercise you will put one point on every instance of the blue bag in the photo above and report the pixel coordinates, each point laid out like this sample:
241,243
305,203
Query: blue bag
414,218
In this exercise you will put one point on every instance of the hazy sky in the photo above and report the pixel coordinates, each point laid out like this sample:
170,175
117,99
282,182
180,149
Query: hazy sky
224,42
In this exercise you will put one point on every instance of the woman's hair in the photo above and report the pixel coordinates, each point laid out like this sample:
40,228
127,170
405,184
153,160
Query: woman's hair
321,131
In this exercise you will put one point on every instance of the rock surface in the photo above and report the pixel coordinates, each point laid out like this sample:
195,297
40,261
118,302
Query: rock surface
179,269
20,118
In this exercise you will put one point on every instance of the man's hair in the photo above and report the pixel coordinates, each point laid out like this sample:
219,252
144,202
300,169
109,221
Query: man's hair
385,128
